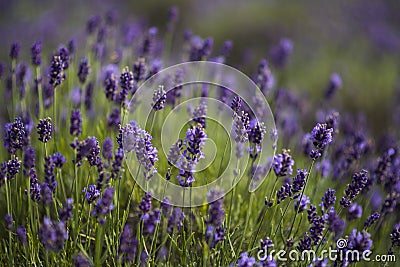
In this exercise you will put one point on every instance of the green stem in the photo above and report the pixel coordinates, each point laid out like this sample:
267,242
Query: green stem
98,245
247,222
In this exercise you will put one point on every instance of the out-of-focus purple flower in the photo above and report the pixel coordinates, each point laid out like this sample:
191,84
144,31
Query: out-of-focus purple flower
139,70
46,194
226,48
335,224
149,42
75,123
107,149
335,83
22,237
23,76
159,98
166,206
241,126
279,54
175,220
145,204
395,235
66,212
174,153
332,121
84,70
92,24
114,118
81,260
53,234
173,16
214,235
72,46
58,159
324,167
29,158
199,114
355,211
304,202
15,49
372,219
283,163
36,51
91,193
328,199
88,101
245,260
111,87
104,205
9,222
358,182
150,220
264,78
128,245
14,134
216,212
155,67
45,130
360,241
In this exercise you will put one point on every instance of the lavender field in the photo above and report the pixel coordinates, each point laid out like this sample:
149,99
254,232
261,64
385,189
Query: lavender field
187,134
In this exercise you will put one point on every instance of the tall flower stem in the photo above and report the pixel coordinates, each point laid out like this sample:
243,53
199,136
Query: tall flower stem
40,93
301,196
55,118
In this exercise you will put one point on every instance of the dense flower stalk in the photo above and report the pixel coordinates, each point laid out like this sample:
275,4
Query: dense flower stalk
53,234
45,130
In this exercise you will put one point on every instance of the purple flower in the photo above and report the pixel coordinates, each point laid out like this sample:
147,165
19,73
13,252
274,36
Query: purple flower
107,149
80,260
175,152
114,118
46,194
335,83
299,181
166,206
199,114
45,130
284,192
58,159
159,98
84,70
9,222
216,212
128,245
236,105
91,193
355,211
13,167
371,219
49,176
360,241
321,136
264,78
15,49
66,212
111,86
305,243
139,70
35,189
92,24
395,236
72,46
145,204
150,220
21,234
283,164
175,220
245,260
75,123
36,51
14,135
89,149
280,54
358,182
56,71
214,235
127,84
104,205
335,224
304,202
241,126
328,200
89,96
117,164
52,234
194,141
226,48
149,42
29,158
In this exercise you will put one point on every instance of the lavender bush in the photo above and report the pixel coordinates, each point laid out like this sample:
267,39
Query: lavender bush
68,196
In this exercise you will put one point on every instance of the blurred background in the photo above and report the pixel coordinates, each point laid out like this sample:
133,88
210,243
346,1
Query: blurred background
358,39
